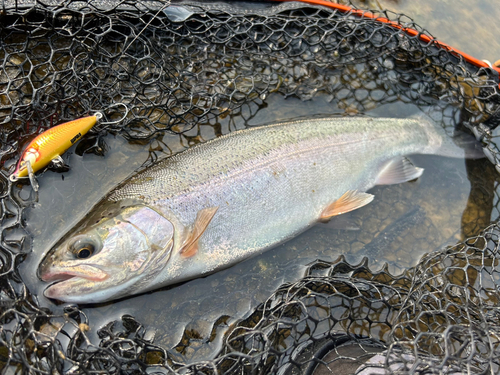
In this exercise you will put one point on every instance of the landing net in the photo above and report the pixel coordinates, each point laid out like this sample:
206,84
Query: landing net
152,67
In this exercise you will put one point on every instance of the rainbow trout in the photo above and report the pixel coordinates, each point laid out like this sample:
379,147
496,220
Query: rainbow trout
228,199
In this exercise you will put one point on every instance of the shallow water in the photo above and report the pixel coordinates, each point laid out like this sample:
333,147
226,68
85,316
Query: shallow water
402,223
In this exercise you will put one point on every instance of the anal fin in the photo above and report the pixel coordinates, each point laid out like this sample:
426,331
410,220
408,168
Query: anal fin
351,200
203,218
398,170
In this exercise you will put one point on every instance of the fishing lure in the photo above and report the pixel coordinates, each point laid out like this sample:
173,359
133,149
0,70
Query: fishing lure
50,145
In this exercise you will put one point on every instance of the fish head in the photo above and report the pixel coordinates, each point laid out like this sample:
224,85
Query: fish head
116,256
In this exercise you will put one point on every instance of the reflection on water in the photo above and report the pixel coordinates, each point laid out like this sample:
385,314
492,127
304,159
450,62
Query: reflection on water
397,228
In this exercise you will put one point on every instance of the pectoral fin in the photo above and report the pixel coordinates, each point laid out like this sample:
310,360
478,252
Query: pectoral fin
350,201
190,246
397,171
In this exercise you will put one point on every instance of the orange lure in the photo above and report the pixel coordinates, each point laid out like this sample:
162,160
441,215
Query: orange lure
51,144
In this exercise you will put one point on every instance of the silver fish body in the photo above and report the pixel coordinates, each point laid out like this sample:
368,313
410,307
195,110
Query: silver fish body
251,190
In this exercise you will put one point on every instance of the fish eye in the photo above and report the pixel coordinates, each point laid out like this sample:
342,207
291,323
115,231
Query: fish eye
85,252
84,247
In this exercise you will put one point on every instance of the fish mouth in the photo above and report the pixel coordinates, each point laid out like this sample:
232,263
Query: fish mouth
63,290
91,273
71,281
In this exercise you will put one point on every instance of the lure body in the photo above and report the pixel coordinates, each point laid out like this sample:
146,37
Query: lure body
51,144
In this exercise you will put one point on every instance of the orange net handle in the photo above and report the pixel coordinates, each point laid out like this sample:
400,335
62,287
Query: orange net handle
396,25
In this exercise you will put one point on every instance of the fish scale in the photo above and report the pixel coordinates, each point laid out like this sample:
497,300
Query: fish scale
252,189
245,148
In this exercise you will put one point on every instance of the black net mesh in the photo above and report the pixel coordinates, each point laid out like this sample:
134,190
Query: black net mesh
152,68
